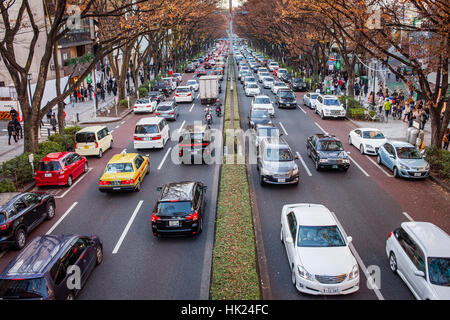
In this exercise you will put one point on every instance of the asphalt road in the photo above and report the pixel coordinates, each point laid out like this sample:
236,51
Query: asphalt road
366,201
136,264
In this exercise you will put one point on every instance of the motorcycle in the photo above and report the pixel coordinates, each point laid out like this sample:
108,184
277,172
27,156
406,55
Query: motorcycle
208,117
218,109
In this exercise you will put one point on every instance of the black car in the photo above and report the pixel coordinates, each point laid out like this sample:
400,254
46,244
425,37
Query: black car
156,96
286,77
326,151
163,87
46,268
258,116
297,84
190,68
21,214
285,98
195,144
180,209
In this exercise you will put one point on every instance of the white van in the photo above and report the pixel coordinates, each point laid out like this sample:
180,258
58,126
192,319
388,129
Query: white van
93,141
151,132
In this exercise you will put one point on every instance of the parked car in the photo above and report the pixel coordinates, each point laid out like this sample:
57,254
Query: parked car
257,116
43,270
60,169
124,172
151,132
180,209
145,105
319,256
167,110
310,99
297,84
21,214
171,82
329,106
276,162
263,102
367,140
285,98
183,94
326,151
418,253
195,144
403,159
93,141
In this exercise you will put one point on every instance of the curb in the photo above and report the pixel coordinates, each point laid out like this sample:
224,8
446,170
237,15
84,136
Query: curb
439,182
108,121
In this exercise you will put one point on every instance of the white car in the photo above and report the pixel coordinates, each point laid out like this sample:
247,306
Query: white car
171,81
178,77
329,106
193,84
367,140
280,72
248,79
278,85
319,257
272,66
252,89
419,253
263,102
262,75
309,99
144,105
183,94
267,82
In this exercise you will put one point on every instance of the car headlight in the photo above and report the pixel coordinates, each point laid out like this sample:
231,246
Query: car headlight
427,167
368,146
402,166
293,172
355,273
345,160
305,274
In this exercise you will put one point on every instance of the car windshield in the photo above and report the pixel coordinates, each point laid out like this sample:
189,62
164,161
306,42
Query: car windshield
49,166
119,167
282,71
146,128
164,107
408,153
298,80
262,101
320,236
279,84
331,102
252,85
23,288
314,96
142,101
439,271
250,79
153,94
286,94
268,132
263,74
191,82
260,114
278,155
268,80
183,90
2,216
329,145
174,208
372,135
85,137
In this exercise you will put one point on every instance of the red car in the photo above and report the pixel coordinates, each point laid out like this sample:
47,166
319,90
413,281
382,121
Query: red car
60,169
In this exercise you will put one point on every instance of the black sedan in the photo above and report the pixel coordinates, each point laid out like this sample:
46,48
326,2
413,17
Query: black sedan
179,209
190,68
258,116
285,98
21,214
326,151
297,84
156,96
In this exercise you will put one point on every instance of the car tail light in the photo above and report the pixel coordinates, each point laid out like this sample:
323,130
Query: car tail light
5,226
155,217
149,106
157,113
76,145
131,181
189,95
96,144
135,107
137,138
180,154
176,95
104,183
172,112
156,138
390,234
193,216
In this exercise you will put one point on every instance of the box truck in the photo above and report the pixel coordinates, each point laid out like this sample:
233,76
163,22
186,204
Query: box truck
209,89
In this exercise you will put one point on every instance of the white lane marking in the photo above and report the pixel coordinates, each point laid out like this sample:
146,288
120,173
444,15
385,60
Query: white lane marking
379,167
352,248
62,218
122,122
304,164
356,163
408,216
301,109
125,231
164,159
198,95
320,128
73,185
282,127
184,121
112,131
117,127
192,107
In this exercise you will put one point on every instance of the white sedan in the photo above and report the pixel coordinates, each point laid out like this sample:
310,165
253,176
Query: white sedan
193,84
144,105
367,140
267,82
278,85
252,89
320,260
263,102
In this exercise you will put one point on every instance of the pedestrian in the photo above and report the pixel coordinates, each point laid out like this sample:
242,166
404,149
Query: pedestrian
90,91
75,96
13,113
356,87
423,119
446,140
102,93
366,89
411,117
18,128
53,122
72,99
49,115
387,108
79,95
371,98
11,132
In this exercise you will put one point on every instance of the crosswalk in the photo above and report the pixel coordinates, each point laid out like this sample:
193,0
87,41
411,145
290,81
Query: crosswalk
44,130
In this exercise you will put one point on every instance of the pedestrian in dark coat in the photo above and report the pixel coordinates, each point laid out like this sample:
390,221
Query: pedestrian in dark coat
18,128
53,122
11,132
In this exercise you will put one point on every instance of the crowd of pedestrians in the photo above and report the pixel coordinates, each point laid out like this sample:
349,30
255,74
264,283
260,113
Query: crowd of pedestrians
83,94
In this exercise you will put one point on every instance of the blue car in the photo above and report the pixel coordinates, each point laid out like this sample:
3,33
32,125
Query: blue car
403,159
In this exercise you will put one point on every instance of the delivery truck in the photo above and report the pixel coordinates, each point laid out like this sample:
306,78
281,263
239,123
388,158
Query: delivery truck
209,89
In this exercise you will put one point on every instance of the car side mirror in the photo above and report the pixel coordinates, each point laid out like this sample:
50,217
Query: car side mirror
296,157
349,239
419,273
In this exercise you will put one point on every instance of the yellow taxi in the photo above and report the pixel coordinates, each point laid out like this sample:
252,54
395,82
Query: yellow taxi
125,171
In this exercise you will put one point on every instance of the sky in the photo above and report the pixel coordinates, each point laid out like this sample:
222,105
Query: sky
235,3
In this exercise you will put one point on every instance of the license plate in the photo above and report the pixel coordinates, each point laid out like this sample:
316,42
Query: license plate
330,290
417,174
335,167
86,147
48,175
281,180
175,223
115,183
288,104
116,188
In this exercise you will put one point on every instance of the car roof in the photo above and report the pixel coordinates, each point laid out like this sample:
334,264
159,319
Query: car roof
261,96
367,129
398,144
121,158
183,87
149,120
276,143
91,129
181,191
166,103
55,156
328,96
323,136
196,128
35,259
309,214
431,238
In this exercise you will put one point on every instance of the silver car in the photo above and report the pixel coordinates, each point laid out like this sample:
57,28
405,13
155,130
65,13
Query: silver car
167,110
309,99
